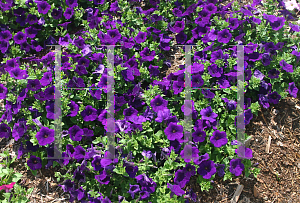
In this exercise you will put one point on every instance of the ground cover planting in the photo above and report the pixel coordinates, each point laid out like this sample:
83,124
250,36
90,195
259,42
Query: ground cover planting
85,94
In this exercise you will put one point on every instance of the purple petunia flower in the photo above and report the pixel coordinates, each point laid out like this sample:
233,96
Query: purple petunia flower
285,66
71,3
43,7
219,139
244,152
208,114
178,27
34,85
12,63
73,108
45,136
17,73
56,13
68,186
20,37
79,153
163,115
207,169
133,189
199,135
141,37
96,163
4,46
153,70
293,90
158,103
180,178
103,178
31,32
181,38
220,169
224,36
197,80
5,130
76,133
189,153
175,190
131,170
274,73
236,167
174,131
274,97
3,91
129,112
19,129
49,93
215,71
69,13
189,170
31,19
144,194
5,35
231,104
34,162
147,55
76,82
263,100
208,94
89,113
108,159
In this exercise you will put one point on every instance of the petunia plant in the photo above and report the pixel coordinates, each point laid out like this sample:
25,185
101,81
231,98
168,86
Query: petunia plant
152,161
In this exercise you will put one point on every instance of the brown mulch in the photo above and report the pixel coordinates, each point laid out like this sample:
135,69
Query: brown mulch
279,179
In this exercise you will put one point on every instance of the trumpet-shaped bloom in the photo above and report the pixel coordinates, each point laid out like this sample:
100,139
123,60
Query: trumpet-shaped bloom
207,169
219,139
34,162
174,131
45,136
158,103
43,7
236,167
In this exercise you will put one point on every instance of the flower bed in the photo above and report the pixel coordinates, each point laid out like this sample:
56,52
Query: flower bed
153,159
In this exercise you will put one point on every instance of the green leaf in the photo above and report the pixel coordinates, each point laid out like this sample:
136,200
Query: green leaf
16,177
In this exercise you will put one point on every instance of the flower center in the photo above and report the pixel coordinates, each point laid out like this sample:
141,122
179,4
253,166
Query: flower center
97,163
189,169
206,168
217,137
225,35
35,161
45,136
174,131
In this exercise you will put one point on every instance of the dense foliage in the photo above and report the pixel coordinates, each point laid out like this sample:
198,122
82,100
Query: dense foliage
150,163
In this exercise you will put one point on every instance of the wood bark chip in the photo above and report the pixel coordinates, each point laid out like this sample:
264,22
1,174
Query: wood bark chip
237,194
255,191
268,145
